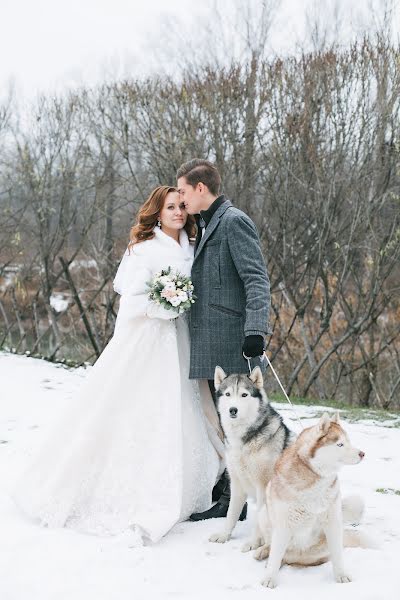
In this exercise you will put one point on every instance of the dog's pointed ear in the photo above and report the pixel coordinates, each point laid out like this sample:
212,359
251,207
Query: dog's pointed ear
336,418
323,423
219,376
257,378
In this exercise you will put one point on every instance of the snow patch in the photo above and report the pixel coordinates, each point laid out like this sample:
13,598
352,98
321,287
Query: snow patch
44,564
59,302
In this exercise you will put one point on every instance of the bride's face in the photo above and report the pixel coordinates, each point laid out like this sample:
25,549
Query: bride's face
173,214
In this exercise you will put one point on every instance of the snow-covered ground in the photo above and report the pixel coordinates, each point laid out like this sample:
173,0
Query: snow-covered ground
42,564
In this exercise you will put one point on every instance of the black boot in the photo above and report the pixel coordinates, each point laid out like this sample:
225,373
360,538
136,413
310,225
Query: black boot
221,488
217,490
219,509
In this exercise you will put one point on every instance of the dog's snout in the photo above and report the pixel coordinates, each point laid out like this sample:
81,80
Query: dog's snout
361,454
233,411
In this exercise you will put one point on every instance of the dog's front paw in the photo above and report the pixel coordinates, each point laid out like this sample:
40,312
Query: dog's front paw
262,553
219,538
252,544
342,577
270,581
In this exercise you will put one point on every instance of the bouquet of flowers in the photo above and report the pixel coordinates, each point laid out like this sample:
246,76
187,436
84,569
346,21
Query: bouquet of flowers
172,290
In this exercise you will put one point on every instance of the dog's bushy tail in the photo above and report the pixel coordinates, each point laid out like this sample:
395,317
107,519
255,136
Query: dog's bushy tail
353,510
352,538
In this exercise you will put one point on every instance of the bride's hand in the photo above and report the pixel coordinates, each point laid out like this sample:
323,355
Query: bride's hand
156,311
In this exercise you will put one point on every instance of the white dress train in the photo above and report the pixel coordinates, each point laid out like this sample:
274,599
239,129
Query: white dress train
133,449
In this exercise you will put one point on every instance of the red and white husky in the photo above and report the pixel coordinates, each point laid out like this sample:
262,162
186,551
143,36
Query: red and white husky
302,520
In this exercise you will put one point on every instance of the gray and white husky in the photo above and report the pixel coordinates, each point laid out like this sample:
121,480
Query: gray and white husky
255,437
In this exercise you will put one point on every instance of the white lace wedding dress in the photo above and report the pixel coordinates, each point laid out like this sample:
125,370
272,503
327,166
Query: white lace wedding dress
133,449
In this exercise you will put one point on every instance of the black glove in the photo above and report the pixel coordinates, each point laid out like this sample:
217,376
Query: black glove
253,346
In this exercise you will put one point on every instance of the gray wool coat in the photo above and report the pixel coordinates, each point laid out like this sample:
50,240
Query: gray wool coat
233,294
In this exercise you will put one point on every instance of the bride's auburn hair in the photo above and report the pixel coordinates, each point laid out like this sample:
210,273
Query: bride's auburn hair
147,217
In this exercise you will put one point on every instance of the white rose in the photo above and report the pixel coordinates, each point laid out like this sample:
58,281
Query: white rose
183,296
175,301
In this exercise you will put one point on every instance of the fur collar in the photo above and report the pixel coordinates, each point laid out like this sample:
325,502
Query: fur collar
162,243
163,238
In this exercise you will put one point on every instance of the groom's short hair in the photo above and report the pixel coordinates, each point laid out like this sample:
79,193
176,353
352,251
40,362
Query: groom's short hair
203,171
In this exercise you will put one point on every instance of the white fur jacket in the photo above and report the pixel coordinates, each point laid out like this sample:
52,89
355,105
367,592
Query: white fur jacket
139,265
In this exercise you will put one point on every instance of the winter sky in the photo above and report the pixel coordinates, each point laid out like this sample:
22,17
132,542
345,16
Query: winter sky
52,44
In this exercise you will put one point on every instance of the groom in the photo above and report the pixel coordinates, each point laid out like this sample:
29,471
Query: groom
230,315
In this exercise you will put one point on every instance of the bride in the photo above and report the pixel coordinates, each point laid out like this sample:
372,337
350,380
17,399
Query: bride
135,450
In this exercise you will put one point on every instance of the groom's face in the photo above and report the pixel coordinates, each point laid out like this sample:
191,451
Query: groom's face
192,197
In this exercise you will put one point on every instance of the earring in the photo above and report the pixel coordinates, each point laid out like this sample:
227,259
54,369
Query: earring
159,223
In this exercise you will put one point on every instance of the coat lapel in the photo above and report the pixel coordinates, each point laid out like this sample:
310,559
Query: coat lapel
213,224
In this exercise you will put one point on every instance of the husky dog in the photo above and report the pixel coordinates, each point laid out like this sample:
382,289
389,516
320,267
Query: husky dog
255,437
302,520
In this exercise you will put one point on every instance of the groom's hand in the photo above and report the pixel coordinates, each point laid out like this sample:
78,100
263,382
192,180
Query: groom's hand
253,346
